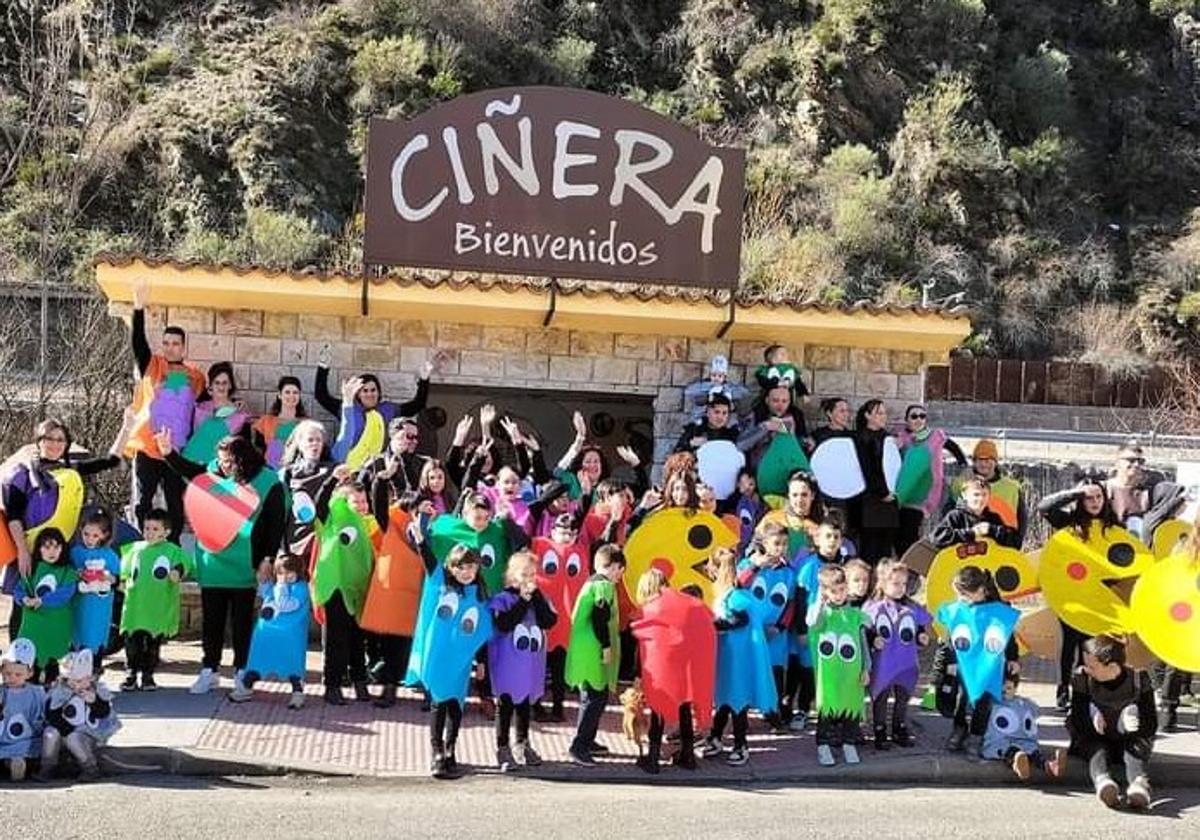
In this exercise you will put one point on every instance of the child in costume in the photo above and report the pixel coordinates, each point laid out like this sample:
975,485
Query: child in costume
696,394
858,581
454,623
1113,718
777,371
770,578
517,656
843,667
972,520
1012,737
594,654
677,652
279,643
980,659
98,568
562,571
22,708
744,677
151,570
748,507
827,550
45,599
79,713
897,627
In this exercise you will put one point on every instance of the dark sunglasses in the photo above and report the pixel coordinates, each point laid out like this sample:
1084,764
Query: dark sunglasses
917,415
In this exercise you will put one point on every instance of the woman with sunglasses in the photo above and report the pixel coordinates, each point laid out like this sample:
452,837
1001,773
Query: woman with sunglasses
921,484
42,487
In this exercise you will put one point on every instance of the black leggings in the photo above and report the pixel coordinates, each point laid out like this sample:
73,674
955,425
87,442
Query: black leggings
687,734
345,649
1071,653
900,697
741,725
504,720
556,667
216,605
394,651
444,721
909,530
141,652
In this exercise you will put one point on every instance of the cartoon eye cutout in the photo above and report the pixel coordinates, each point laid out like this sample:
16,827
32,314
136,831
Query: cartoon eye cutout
161,568
45,586
961,637
447,605
906,629
574,565
550,563
1029,723
487,555
773,374
883,627
520,637
759,590
1005,723
747,518
347,536
993,639
267,612
827,645
779,594
537,639
303,509
90,719
17,728
75,712
847,647
470,621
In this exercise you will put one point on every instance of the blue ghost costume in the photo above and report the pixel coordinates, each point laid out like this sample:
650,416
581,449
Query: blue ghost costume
744,678
1012,725
22,718
774,587
93,603
280,639
68,712
453,624
979,635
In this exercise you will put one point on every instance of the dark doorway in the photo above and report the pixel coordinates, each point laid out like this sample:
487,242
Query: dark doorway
613,419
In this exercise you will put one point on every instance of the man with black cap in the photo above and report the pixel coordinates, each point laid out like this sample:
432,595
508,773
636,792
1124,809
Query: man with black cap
714,426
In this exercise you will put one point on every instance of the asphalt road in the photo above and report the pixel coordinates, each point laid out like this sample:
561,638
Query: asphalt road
263,809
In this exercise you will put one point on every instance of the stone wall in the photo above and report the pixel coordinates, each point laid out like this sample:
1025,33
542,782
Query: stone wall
265,345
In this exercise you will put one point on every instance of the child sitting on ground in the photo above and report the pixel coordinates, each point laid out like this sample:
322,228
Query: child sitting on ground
22,708
1012,737
1113,718
79,713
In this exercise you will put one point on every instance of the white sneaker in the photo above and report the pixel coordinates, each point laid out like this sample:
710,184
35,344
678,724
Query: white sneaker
240,694
851,753
297,700
206,680
1137,795
825,756
799,723
712,748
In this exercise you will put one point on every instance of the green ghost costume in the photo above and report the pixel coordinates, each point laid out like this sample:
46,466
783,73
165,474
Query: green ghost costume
839,658
151,597
491,544
585,662
49,626
344,558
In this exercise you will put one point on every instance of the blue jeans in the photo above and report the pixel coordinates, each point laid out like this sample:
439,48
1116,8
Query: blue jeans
591,708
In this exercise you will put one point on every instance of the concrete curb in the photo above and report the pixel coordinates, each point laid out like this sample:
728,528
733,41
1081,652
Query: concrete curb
900,770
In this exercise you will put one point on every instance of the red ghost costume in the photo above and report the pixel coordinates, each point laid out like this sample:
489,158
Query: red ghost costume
677,646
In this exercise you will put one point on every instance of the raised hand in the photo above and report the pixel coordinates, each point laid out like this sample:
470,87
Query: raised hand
141,293
628,456
487,416
580,426
512,430
350,388
463,429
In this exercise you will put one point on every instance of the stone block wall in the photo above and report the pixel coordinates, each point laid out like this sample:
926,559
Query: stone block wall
264,346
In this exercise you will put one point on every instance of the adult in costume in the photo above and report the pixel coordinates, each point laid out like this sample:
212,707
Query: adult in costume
164,398
272,431
217,417
921,484
879,514
363,415
307,474
237,507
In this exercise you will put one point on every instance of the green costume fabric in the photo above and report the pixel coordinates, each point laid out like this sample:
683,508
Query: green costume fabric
585,663
49,627
916,475
202,445
233,567
782,457
344,557
491,544
151,597
840,660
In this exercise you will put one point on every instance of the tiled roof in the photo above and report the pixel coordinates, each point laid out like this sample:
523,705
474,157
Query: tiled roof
432,279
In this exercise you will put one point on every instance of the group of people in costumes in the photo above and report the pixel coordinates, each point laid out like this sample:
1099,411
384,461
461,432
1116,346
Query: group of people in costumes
772,569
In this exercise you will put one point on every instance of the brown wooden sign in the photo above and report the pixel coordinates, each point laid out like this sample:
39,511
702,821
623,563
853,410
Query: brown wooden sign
556,182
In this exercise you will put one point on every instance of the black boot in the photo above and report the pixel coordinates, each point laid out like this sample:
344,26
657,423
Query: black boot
387,697
881,738
957,740
901,737
361,694
333,695
452,768
1062,698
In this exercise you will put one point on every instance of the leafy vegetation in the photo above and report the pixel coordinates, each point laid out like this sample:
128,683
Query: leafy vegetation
1040,158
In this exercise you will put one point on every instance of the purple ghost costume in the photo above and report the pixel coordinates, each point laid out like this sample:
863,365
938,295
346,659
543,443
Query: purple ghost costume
898,623
517,660
173,406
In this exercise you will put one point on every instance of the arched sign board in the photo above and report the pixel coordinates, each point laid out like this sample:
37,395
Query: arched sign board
556,182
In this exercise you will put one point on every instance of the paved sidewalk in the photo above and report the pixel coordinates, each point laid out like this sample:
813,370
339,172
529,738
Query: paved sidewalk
173,731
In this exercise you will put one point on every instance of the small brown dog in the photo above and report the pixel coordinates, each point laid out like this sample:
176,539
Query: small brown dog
633,714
